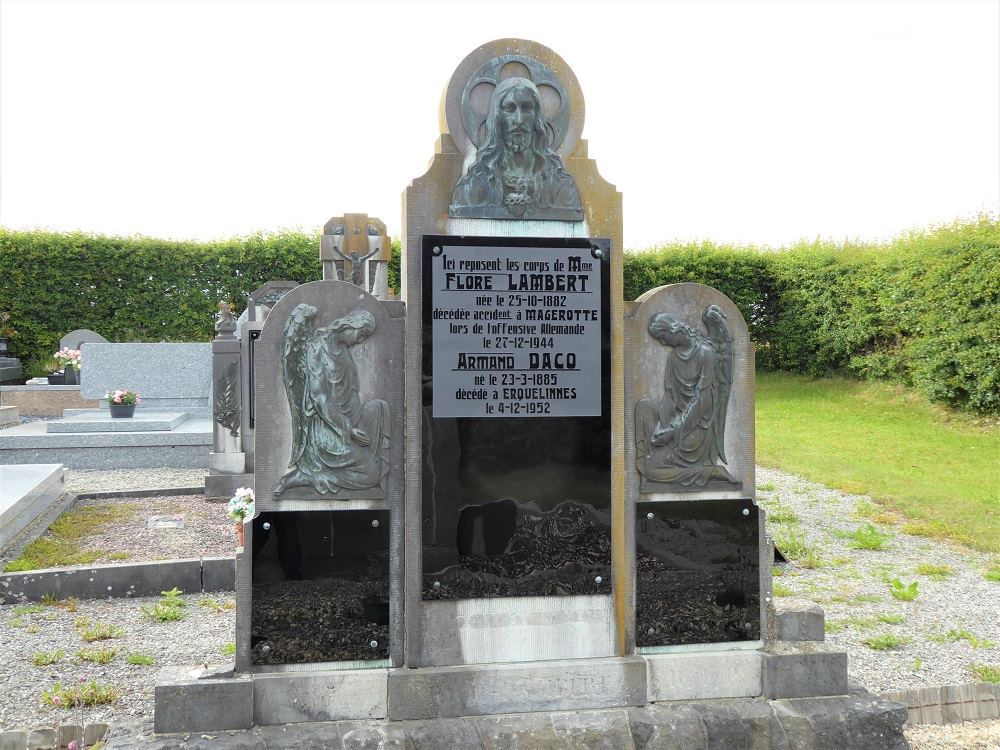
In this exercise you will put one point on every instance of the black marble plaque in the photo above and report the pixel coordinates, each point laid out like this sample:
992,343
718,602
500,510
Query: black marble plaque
320,587
697,572
517,500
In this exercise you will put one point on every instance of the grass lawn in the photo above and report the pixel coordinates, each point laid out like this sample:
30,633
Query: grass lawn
884,441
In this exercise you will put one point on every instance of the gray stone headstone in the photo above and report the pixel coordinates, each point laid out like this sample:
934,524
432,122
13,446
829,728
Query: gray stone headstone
378,360
76,339
722,471
166,376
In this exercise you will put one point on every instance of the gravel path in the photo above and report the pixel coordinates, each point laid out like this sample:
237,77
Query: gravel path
945,629
953,622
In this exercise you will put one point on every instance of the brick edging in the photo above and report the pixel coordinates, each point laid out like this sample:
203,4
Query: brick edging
949,704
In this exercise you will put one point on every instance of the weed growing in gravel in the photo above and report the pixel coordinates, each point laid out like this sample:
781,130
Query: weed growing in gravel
812,561
792,544
15,622
866,599
781,589
140,660
778,513
831,626
935,572
45,658
869,537
769,487
993,573
961,634
169,608
30,609
890,619
861,623
85,694
97,654
885,642
986,672
916,664
229,649
97,632
902,592
70,605
32,629
216,606
115,556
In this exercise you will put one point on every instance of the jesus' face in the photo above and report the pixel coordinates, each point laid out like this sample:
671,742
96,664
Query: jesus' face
518,112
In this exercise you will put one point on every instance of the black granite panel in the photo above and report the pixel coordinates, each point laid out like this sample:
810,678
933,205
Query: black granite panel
516,506
320,586
697,572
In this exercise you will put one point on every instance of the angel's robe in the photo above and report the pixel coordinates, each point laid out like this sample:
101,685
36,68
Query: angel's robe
687,410
332,455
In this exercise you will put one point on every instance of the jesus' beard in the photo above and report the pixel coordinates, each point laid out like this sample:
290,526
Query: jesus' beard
518,142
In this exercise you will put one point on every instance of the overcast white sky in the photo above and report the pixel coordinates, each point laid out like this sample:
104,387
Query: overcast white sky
748,122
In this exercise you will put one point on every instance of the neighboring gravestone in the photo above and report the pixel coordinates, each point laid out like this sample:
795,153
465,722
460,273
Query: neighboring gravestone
76,339
512,258
356,248
168,377
323,555
699,569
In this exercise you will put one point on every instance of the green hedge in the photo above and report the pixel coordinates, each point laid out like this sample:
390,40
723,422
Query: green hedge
923,309
135,288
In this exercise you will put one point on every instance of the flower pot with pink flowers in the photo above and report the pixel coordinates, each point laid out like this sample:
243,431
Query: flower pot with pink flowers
122,403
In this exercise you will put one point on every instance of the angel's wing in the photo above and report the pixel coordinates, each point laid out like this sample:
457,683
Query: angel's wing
722,342
298,330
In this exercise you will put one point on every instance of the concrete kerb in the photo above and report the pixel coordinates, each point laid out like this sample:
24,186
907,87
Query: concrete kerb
196,575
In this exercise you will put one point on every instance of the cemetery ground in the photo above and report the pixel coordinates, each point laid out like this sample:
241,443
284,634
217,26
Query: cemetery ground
947,634
912,604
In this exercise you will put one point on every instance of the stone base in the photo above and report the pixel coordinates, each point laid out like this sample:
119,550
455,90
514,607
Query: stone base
856,722
703,675
102,421
803,670
477,690
202,699
799,620
9,415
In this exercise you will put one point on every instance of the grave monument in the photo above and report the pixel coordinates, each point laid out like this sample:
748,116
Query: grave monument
511,506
